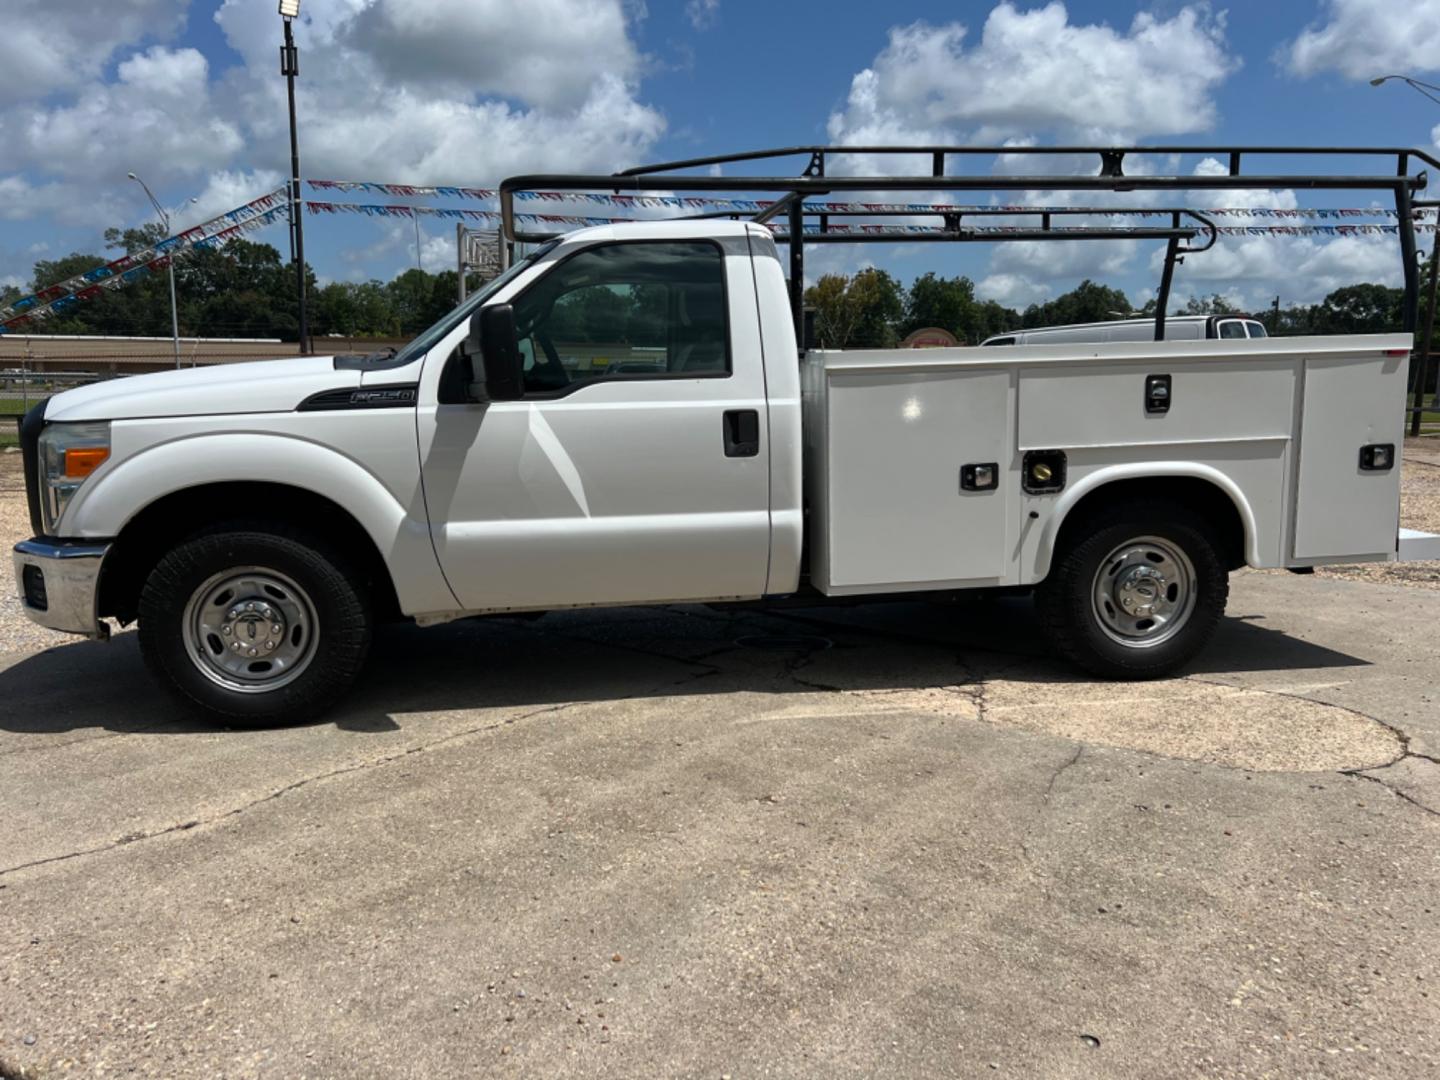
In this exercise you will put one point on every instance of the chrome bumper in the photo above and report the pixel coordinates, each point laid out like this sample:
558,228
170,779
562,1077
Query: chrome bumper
59,584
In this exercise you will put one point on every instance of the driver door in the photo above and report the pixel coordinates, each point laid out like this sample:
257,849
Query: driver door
635,468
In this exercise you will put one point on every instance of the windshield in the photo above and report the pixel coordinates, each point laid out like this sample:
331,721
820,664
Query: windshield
422,344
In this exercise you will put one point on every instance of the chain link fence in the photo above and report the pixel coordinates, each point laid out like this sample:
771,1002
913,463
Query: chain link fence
21,390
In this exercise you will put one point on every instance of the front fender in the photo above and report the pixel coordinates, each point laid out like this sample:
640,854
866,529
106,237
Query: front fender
1092,482
122,489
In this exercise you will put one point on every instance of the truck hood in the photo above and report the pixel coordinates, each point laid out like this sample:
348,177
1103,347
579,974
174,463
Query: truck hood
254,387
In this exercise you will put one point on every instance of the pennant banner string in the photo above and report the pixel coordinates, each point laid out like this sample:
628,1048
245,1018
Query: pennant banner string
220,230
273,206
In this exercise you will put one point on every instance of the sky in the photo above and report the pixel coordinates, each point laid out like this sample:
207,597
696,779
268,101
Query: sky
188,94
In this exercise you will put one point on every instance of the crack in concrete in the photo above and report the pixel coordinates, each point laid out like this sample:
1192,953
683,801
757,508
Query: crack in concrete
795,664
1401,736
1024,841
1055,776
1359,774
142,729
364,766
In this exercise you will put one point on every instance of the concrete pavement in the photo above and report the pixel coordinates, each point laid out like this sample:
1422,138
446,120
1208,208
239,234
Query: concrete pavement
899,841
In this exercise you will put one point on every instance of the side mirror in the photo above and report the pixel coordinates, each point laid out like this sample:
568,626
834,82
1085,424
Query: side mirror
493,338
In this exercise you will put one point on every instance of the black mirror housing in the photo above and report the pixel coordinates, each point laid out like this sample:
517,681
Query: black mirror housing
494,339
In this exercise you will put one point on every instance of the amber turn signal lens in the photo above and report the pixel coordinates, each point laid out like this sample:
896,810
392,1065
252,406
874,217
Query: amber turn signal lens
81,461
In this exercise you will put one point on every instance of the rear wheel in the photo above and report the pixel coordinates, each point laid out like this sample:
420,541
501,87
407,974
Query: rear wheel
1136,593
255,626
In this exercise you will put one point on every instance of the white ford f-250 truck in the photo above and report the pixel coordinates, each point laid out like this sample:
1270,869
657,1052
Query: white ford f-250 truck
620,418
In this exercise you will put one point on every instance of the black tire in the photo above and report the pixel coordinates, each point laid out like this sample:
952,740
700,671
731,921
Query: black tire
1073,618
327,596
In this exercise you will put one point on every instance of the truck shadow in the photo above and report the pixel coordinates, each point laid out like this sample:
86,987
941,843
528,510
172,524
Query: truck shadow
621,654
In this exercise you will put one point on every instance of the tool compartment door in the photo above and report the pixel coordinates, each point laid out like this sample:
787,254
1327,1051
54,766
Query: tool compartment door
1341,509
895,445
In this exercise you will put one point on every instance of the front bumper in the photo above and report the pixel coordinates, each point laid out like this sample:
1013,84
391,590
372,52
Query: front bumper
59,584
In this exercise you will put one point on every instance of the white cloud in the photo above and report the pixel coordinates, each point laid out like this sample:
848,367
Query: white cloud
1363,39
68,204
64,45
393,250
437,252
376,103
547,53
1251,270
1012,290
1034,76
446,91
702,14
1034,71
157,118
225,190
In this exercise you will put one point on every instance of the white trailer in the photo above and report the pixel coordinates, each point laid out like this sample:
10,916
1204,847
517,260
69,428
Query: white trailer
258,520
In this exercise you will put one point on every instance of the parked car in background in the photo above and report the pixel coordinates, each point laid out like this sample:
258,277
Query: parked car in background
1177,328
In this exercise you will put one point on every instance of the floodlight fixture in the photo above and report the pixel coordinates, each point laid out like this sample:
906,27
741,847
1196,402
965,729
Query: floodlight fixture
290,8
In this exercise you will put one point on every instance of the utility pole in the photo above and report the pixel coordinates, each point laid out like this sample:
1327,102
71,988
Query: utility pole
290,68
1275,319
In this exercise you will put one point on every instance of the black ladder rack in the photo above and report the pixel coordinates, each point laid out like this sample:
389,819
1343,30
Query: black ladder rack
1388,169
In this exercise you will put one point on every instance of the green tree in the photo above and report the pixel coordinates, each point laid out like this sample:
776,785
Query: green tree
353,309
1086,303
834,314
861,312
133,240
49,272
948,303
991,318
1215,304
879,301
1360,309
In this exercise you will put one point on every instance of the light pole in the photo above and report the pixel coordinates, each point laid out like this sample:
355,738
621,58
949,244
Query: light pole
169,266
1415,84
1428,335
290,67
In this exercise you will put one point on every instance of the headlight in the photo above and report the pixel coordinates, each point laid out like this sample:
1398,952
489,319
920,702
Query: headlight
68,454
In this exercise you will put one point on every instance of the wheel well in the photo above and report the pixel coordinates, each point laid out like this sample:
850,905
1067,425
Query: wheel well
1205,498
150,534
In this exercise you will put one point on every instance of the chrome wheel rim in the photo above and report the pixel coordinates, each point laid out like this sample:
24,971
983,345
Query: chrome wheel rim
1144,592
250,629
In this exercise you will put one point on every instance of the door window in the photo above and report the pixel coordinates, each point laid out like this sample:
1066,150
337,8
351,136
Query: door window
640,310
1232,328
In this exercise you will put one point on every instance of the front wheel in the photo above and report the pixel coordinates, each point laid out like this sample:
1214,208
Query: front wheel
1137,593
254,626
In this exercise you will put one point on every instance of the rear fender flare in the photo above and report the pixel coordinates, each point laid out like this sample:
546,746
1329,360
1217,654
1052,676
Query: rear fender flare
1093,482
